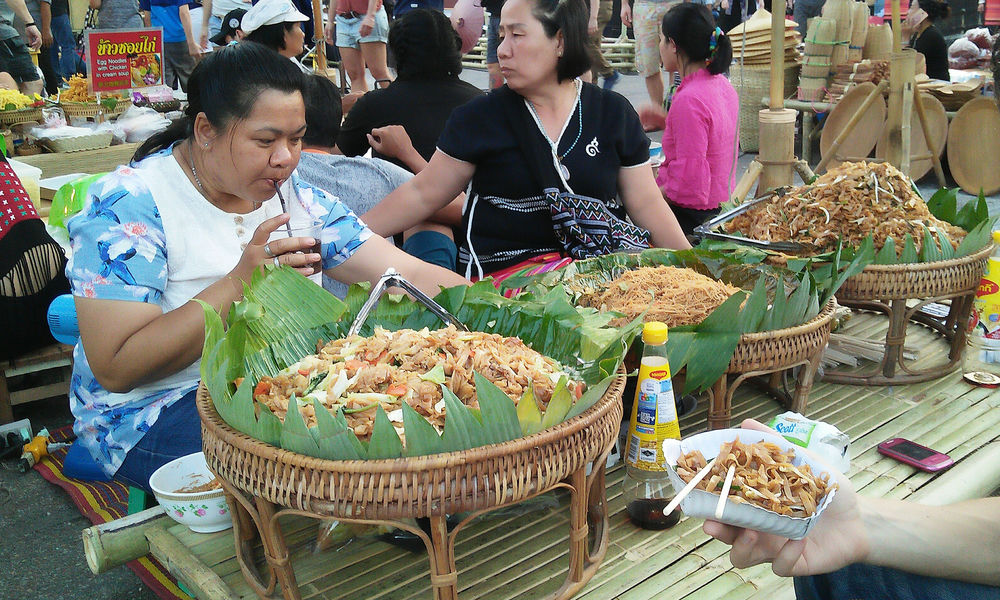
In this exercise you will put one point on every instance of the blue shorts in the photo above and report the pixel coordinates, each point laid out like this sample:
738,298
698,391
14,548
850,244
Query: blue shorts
492,39
176,433
432,247
348,35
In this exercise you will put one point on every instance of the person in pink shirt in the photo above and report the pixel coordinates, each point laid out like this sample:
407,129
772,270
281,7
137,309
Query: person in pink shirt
699,131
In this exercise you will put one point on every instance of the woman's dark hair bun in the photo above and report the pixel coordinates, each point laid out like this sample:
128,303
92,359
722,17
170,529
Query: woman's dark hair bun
692,28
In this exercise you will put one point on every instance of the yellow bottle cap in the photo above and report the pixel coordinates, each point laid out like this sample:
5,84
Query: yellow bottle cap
654,332
996,237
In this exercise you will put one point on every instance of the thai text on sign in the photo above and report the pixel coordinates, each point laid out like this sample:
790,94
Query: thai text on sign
124,59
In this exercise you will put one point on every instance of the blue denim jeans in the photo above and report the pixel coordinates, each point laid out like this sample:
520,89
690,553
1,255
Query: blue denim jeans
867,582
176,433
64,48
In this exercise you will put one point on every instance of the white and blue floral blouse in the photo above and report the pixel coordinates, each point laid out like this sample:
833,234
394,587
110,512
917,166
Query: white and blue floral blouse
145,234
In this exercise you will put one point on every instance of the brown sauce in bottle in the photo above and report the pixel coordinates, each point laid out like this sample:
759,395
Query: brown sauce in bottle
648,513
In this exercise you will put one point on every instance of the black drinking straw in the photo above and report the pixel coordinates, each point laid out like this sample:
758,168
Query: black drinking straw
284,208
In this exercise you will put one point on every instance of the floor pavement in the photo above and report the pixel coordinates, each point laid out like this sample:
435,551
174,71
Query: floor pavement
42,554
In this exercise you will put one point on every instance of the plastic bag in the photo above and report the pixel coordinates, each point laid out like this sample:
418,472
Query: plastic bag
68,199
138,123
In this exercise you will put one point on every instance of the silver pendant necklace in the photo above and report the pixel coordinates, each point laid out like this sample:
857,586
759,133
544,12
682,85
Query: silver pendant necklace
195,172
579,130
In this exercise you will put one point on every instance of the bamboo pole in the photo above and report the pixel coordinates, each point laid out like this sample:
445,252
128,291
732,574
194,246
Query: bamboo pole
319,38
901,77
974,477
115,543
897,32
777,148
203,582
777,101
931,144
851,124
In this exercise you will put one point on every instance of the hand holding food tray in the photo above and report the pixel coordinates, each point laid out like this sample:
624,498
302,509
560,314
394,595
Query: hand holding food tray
802,492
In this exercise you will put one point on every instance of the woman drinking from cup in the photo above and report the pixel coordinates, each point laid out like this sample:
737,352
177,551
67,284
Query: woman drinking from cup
540,152
190,219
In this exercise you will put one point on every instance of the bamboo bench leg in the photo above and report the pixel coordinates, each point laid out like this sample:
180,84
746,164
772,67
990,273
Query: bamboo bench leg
276,551
720,409
444,575
895,337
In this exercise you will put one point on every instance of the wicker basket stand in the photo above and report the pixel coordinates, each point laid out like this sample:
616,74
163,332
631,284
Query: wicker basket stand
900,292
772,354
264,483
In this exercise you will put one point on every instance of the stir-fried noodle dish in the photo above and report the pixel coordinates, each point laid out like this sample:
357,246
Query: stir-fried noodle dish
673,295
764,476
391,367
851,201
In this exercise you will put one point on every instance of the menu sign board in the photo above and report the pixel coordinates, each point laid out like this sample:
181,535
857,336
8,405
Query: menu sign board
125,58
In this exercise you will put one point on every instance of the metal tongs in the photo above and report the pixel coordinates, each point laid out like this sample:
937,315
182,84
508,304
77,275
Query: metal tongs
392,278
705,229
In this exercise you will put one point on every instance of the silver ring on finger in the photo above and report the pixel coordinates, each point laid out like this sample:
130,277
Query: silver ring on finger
268,252
277,263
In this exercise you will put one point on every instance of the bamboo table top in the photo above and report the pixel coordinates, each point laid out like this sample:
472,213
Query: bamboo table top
522,553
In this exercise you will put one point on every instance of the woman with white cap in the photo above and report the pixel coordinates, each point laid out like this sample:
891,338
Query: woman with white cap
275,24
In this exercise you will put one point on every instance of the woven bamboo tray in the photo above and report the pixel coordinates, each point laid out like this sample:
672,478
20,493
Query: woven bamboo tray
23,115
900,292
263,483
91,110
93,141
772,353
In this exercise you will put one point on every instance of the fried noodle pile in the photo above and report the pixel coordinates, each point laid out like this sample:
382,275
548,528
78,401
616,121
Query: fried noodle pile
391,367
676,296
853,201
764,477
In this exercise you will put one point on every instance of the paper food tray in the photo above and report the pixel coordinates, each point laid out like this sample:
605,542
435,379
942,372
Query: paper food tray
701,504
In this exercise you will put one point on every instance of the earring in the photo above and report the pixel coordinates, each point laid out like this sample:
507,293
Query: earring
206,144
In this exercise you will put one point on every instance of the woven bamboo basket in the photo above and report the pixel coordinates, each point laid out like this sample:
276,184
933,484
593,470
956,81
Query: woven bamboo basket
23,115
90,110
842,11
900,292
815,67
773,353
820,37
753,82
859,32
878,42
917,280
263,482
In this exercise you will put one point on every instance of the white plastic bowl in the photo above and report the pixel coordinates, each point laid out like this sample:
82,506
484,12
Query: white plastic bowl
203,512
700,503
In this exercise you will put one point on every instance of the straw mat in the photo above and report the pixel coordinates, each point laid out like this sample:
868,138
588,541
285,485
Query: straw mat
100,502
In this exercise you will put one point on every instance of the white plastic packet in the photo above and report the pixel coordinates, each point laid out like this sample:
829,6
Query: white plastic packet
830,443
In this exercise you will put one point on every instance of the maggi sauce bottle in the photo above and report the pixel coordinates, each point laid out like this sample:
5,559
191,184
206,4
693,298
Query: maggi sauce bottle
647,489
981,361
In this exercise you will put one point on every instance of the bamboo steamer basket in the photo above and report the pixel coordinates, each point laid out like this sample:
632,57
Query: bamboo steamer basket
820,37
859,32
878,42
842,11
815,67
811,89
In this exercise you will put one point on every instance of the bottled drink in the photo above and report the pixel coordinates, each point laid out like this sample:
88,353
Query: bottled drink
981,361
647,489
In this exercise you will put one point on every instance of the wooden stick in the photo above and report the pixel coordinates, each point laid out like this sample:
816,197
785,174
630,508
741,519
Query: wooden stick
931,145
897,30
746,182
319,38
114,543
851,124
203,582
721,506
690,486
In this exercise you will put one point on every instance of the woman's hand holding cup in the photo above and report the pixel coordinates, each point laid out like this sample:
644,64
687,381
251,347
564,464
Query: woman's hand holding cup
271,244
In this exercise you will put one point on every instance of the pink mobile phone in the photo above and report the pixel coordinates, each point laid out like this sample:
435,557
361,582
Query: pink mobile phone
915,455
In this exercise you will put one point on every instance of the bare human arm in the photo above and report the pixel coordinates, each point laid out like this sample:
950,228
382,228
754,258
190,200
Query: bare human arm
368,23
145,18
647,208
592,23
953,542
206,15
416,200
626,13
95,4
330,27
45,10
393,141
129,343
34,40
193,48
371,260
